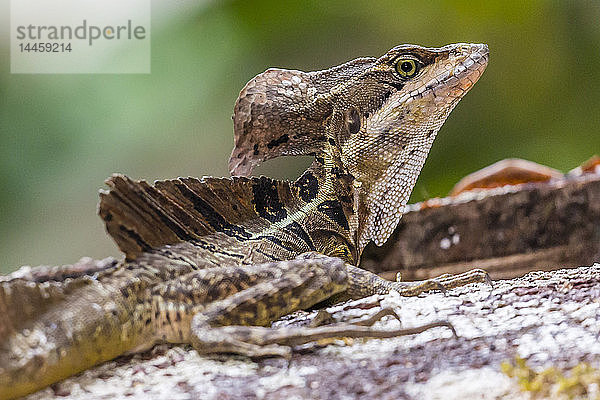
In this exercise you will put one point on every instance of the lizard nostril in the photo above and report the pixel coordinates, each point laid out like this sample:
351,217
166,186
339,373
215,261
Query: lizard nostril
464,49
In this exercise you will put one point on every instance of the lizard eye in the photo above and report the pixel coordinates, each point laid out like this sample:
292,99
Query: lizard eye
407,67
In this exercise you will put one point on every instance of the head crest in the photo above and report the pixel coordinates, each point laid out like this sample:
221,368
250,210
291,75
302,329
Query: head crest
285,112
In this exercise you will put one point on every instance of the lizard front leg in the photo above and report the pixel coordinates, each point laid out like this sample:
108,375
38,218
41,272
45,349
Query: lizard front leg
222,327
363,283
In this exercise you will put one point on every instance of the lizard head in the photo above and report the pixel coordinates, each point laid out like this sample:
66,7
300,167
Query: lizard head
373,119
386,145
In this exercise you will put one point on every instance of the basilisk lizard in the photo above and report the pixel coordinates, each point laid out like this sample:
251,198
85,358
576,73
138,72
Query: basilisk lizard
213,261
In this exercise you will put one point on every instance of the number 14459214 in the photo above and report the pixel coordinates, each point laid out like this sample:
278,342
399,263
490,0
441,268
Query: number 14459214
41,47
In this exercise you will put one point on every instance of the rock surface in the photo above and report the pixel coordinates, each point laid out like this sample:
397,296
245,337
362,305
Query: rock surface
549,318
508,231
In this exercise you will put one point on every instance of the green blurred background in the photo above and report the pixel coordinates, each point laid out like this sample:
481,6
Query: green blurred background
62,135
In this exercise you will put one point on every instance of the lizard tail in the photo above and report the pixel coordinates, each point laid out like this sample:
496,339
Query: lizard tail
55,324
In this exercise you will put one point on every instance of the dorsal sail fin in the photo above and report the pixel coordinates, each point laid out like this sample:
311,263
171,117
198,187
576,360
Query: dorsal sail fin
141,217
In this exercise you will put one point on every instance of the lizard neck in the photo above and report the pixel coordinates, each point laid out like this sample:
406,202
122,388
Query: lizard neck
328,189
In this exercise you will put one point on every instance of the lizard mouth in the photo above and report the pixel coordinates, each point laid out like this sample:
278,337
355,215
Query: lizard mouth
468,71
463,68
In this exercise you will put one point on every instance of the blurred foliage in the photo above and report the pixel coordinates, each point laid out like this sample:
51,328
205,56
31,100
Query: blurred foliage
580,382
62,135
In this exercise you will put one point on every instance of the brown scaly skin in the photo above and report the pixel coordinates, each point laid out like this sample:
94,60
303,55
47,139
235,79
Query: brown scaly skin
210,261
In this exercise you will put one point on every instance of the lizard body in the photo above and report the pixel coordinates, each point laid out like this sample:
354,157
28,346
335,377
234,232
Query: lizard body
209,261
